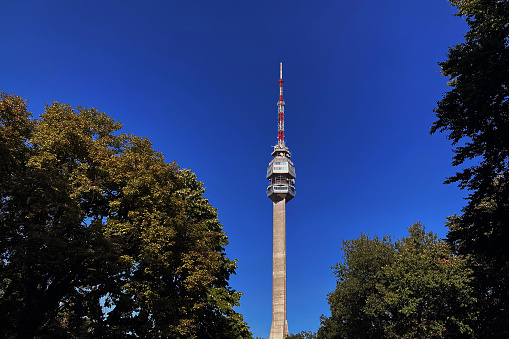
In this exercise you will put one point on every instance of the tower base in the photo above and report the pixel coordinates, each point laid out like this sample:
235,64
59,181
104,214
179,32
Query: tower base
279,332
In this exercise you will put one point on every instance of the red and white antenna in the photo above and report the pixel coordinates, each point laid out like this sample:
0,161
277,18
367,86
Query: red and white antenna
281,111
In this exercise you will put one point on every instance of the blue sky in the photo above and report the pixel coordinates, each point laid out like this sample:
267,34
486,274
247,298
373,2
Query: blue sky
200,80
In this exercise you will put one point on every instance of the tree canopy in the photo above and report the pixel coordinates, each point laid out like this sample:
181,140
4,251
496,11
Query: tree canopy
302,335
101,238
475,115
412,288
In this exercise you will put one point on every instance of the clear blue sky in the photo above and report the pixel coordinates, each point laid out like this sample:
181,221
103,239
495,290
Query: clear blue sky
200,80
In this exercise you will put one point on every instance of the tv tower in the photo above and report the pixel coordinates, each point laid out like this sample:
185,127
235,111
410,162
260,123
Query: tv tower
281,174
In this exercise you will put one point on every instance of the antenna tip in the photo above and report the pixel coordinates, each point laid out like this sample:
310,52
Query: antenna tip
280,70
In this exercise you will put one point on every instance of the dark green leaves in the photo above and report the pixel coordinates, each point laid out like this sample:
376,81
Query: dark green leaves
475,114
413,288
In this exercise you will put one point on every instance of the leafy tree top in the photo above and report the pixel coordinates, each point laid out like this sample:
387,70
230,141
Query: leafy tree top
100,238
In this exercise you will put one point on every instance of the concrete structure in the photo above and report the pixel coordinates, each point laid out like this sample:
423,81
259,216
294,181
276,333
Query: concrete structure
281,174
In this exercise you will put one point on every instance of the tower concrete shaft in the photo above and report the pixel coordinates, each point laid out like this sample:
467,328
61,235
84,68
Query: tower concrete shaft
281,174
279,327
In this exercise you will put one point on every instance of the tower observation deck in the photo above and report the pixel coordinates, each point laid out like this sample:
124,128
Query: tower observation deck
281,189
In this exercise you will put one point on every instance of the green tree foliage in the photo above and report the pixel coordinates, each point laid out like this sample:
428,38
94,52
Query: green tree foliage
412,288
100,238
475,116
302,335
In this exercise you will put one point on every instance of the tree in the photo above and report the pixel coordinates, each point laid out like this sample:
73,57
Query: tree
413,288
475,111
302,335
100,238
356,281
475,114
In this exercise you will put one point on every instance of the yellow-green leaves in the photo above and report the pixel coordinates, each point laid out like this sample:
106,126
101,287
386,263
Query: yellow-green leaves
99,237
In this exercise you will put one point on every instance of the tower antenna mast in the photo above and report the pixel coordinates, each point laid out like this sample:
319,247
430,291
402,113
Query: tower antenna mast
281,110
